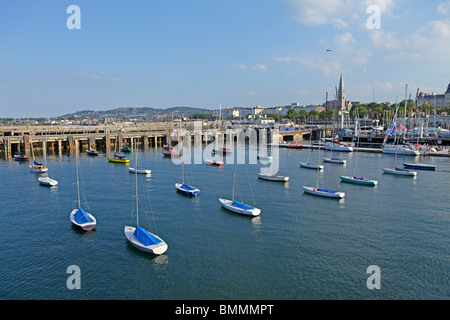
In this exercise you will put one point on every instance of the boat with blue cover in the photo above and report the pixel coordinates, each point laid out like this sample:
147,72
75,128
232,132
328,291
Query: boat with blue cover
141,238
118,159
238,207
420,166
184,188
83,219
324,192
359,180
78,216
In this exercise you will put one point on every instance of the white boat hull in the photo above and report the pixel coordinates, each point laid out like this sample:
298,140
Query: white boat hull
338,148
400,150
214,162
273,177
323,192
193,192
227,204
158,248
141,171
311,165
46,181
38,169
334,160
85,226
401,172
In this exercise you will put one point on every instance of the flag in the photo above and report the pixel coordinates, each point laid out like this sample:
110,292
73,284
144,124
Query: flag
392,129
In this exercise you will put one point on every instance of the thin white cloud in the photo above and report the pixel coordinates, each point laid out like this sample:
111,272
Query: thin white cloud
430,43
256,67
444,7
327,66
338,13
101,75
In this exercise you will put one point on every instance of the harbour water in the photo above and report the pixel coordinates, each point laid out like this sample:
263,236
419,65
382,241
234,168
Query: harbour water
301,247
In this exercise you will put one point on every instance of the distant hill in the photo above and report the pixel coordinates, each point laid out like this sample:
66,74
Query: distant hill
139,112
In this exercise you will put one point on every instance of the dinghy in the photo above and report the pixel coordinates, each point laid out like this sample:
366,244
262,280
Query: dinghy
141,238
399,171
272,177
47,181
141,171
78,216
212,162
334,160
118,159
324,192
184,188
310,165
420,166
239,207
83,219
359,180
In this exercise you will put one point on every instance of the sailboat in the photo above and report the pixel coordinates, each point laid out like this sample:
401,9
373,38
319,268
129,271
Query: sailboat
141,238
184,188
118,159
401,149
47,181
78,216
139,170
322,191
92,152
236,206
358,180
394,169
36,166
310,165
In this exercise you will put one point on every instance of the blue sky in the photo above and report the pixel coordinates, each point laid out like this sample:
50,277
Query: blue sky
202,53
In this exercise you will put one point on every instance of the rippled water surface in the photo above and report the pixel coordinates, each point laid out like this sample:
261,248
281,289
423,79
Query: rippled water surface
300,247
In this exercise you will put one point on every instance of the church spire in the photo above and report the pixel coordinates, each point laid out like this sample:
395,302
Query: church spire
341,94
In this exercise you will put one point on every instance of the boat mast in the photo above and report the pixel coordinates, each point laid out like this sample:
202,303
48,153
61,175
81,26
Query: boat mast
404,129
234,176
78,184
136,181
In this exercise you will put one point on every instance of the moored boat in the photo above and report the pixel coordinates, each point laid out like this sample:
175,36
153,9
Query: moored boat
324,192
399,171
420,166
238,207
92,152
47,181
118,159
83,219
184,188
359,180
273,177
310,165
213,162
334,160
141,171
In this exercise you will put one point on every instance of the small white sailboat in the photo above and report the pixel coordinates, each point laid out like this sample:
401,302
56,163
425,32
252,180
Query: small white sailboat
140,171
47,181
213,162
273,177
400,171
141,238
78,216
394,169
324,192
310,165
334,160
184,188
236,206
92,152
239,207
38,167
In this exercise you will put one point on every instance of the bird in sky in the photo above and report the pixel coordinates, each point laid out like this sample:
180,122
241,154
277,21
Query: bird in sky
328,50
